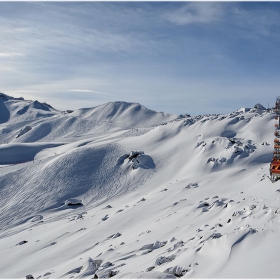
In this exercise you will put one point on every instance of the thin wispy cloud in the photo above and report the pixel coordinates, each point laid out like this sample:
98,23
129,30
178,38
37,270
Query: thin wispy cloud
89,91
10,54
142,52
196,12
257,21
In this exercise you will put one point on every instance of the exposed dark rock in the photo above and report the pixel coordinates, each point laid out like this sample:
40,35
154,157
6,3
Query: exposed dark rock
112,273
22,242
73,202
150,268
177,270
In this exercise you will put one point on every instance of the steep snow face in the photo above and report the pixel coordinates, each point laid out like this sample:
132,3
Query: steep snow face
125,114
187,198
4,112
18,110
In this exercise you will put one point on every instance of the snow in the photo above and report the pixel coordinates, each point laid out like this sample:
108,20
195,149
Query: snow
16,153
151,195
124,113
244,110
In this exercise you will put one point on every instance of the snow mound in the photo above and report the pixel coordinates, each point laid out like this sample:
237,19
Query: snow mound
124,113
19,153
90,267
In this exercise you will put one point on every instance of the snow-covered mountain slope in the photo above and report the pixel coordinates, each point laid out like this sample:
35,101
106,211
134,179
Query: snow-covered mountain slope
185,198
43,123
126,114
20,110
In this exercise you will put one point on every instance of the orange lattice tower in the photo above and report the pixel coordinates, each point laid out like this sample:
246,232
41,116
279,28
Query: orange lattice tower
275,163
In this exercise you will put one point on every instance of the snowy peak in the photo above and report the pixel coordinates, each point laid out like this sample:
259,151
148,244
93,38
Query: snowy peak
129,114
259,106
4,96
19,110
41,106
33,106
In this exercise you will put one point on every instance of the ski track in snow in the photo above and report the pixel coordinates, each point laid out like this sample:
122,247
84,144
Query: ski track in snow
104,190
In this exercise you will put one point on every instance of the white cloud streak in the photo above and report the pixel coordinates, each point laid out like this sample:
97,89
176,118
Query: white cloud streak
195,12
10,54
89,91
258,22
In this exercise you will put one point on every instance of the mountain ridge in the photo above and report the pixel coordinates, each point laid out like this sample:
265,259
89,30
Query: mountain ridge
187,197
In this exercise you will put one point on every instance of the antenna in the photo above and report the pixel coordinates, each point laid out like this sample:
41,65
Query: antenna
275,163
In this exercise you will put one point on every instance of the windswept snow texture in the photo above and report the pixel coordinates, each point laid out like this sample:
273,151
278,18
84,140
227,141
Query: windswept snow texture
125,114
120,191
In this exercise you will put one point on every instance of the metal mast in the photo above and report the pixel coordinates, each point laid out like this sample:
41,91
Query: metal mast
275,163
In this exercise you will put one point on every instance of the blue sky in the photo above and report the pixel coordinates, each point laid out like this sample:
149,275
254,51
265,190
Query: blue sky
176,57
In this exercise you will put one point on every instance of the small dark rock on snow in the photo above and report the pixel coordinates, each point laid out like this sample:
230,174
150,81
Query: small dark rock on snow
73,202
112,273
22,242
150,268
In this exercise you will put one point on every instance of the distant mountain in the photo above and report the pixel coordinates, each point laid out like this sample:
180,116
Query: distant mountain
125,113
259,106
19,110
30,121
